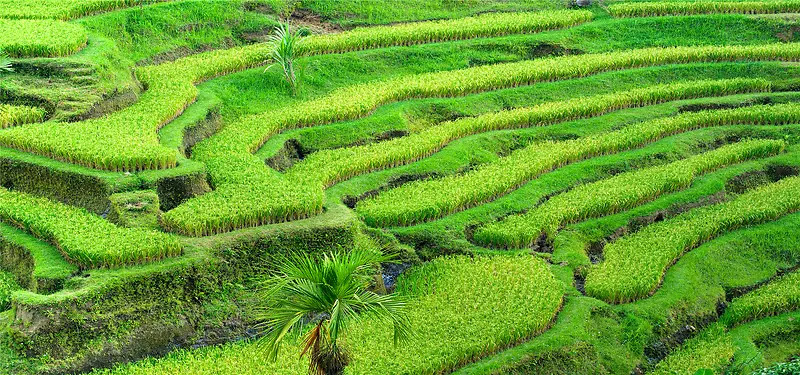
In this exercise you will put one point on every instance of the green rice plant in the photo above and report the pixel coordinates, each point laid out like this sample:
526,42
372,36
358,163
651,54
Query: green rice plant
484,25
786,368
14,115
421,201
668,8
462,309
127,140
8,285
239,203
779,296
41,38
616,194
335,165
711,349
84,238
62,9
634,265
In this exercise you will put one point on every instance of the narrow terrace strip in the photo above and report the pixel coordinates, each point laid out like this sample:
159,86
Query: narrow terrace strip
62,9
779,296
128,140
616,194
711,349
422,201
668,8
634,265
238,202
336,165
84,238
41,38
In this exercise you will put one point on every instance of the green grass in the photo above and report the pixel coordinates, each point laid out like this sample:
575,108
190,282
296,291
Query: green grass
616,194
510,299
712,349
61,9
422,201
634,265
84,238
8,285
15,115
779,296
650,9
41,38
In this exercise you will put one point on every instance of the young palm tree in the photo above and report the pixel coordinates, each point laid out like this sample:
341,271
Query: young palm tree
5,63
328,295
285,43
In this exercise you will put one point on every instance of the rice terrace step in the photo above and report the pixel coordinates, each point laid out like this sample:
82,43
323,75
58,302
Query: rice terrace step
416,187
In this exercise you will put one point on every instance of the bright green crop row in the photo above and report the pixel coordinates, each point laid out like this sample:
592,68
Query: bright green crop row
62,9
712,349
128,141
484,25
84,238
14,115
41,38
616,194
420,201
777,297
666,8
238,202
469,308
634,265
335,165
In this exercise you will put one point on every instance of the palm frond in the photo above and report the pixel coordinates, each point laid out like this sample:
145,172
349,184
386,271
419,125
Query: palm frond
5,63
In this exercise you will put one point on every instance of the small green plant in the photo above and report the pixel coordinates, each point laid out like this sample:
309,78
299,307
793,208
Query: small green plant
285,43
5,63
329,295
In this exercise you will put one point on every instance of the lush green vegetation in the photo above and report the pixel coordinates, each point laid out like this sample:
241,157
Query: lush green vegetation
650,9
635,265
84,238
777,297
604,190
509,299
616,194
41,38
13,115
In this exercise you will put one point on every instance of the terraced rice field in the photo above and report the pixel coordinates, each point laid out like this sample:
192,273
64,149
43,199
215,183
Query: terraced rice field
562,187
